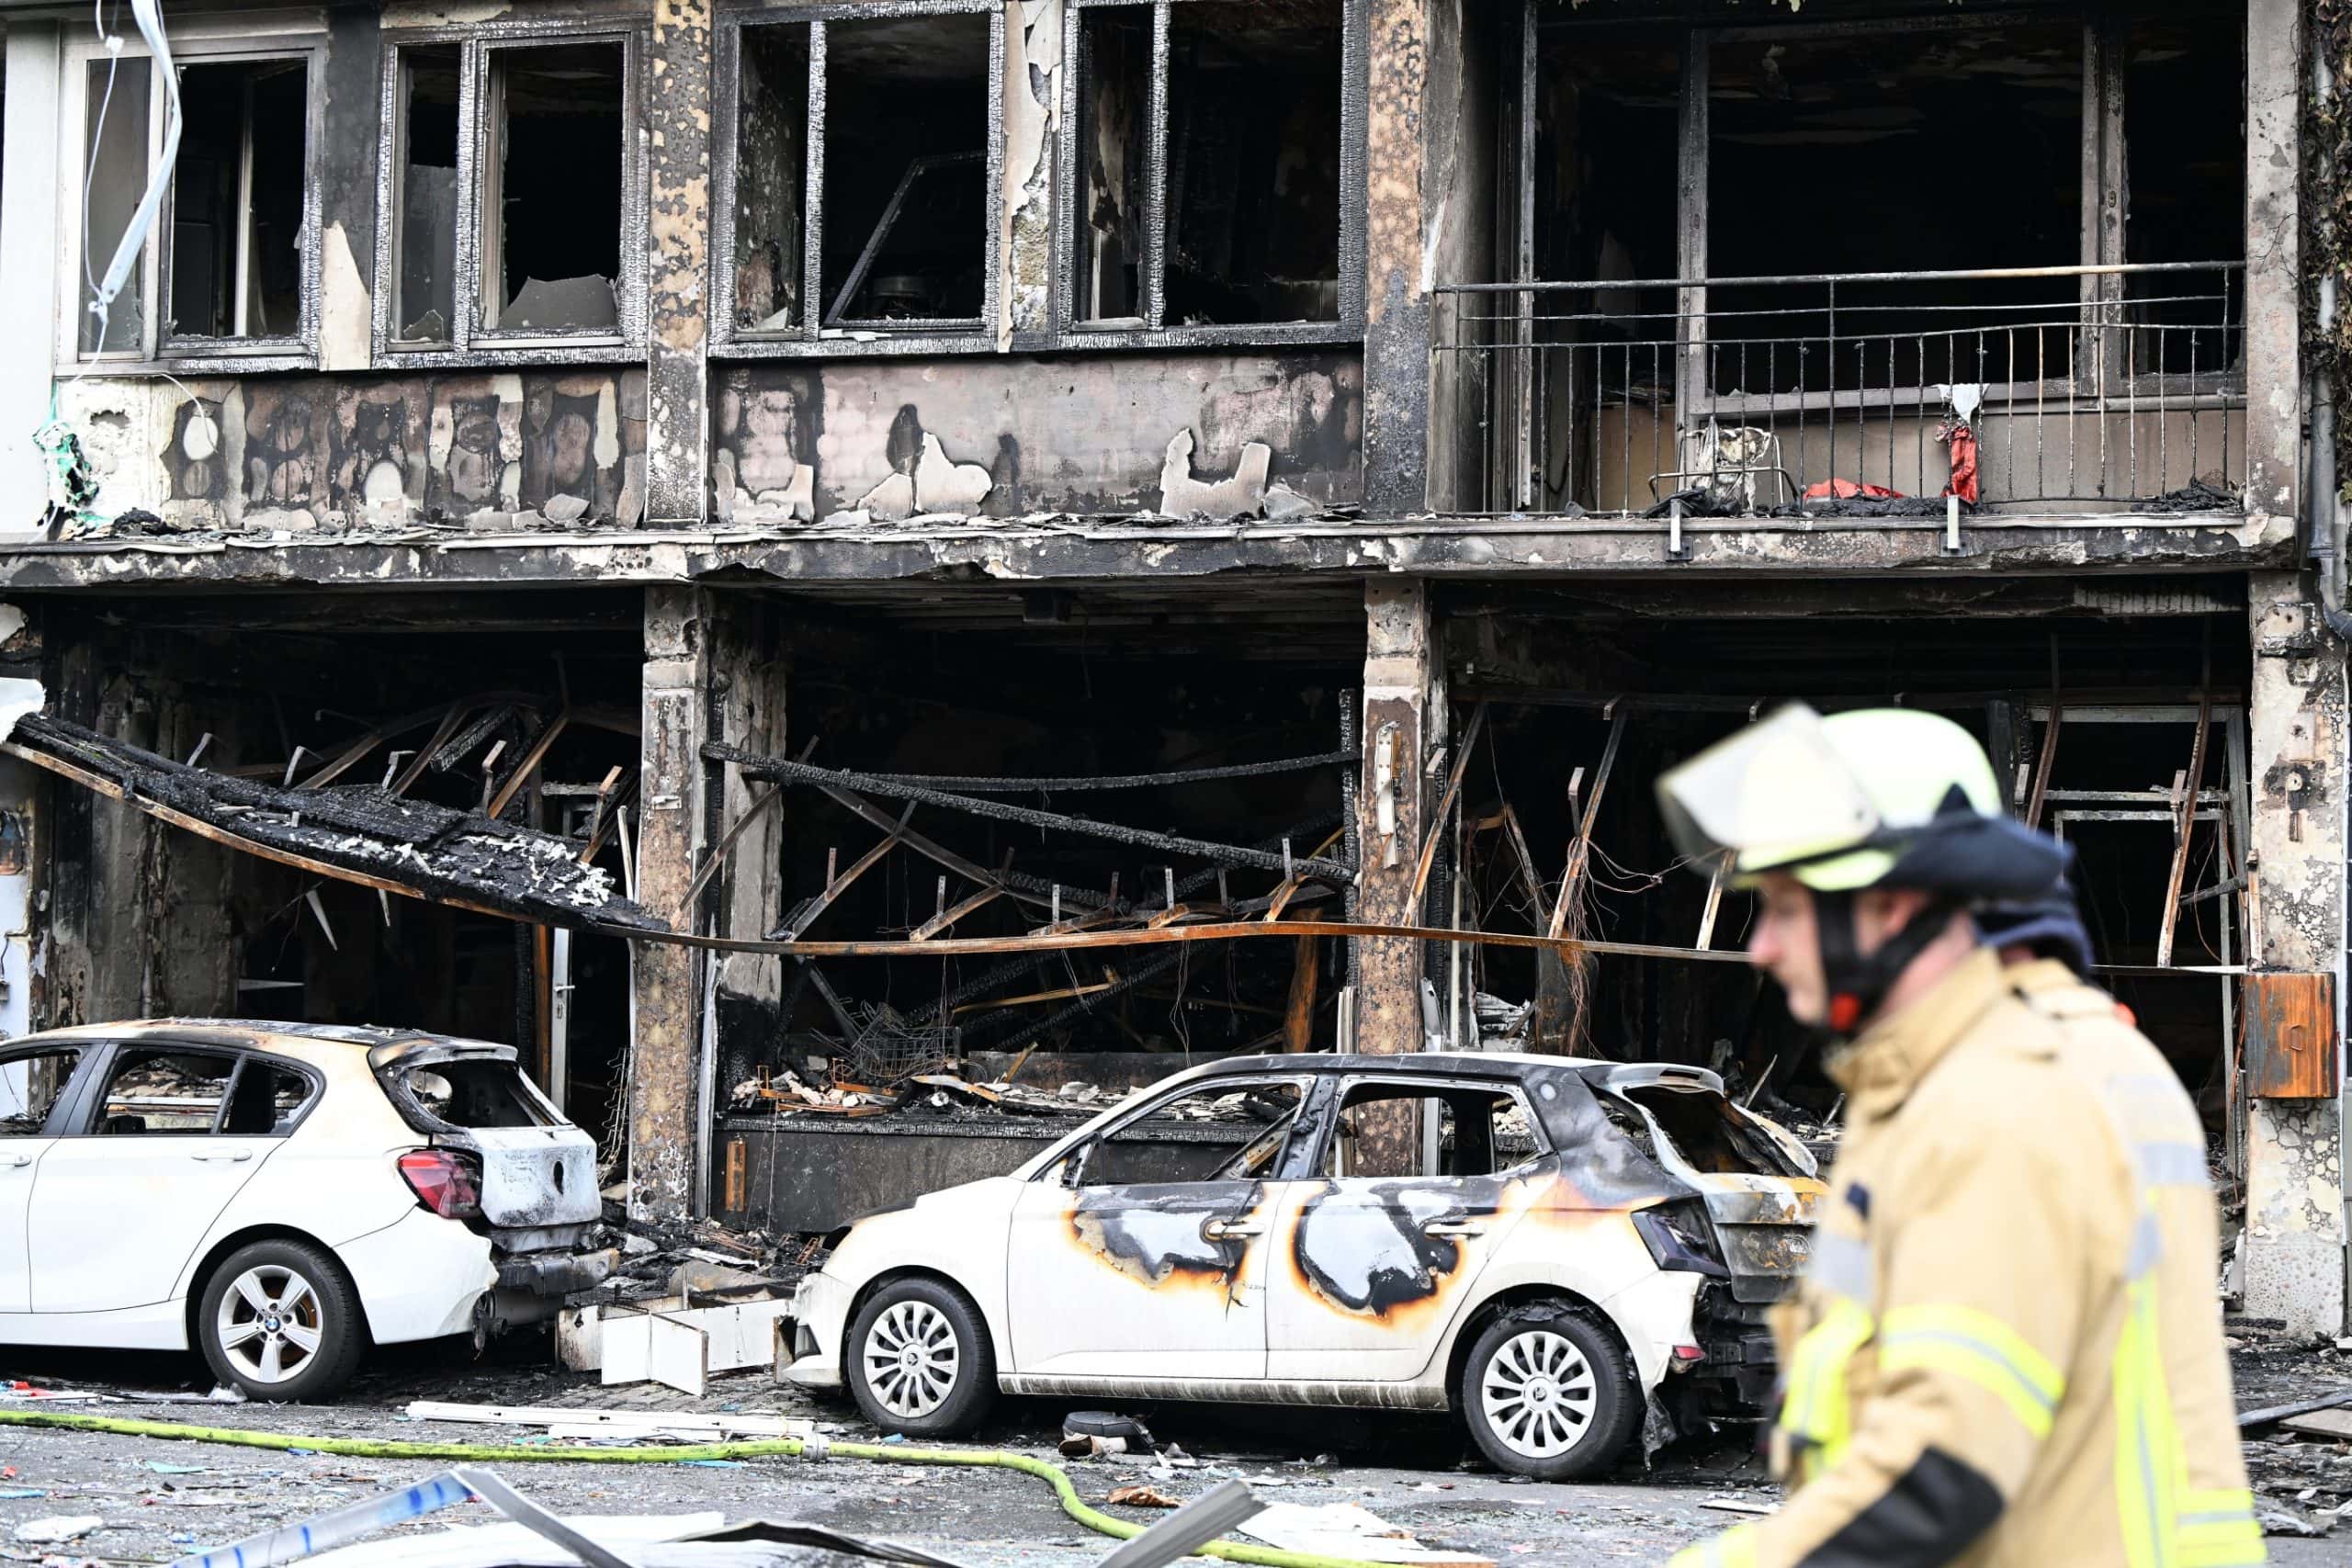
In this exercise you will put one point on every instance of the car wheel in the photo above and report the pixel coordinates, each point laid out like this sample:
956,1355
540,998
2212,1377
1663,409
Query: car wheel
918,1360
1547,1394
280,1319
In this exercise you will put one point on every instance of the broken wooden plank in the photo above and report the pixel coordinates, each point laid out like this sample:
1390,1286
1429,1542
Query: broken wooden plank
2042,765
808,912
579,918
528,765
988,894
1445,805
2330,1423
1580,854
2184,828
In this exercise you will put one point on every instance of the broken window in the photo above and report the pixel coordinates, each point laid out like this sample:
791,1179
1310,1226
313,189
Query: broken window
425,198
30,1087
551,188
1393,1130
227,261
771,176
1242,192
115,174
1219,1133
896,114
163,1091
474,1091
237,190
516,190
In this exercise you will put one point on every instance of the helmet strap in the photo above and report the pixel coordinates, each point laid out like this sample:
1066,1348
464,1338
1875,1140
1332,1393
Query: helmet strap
1858,982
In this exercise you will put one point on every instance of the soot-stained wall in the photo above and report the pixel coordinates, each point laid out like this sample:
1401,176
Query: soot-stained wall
1220,434
305,453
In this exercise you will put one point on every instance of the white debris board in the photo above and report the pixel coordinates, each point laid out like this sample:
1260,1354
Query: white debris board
1345,1529
641,1346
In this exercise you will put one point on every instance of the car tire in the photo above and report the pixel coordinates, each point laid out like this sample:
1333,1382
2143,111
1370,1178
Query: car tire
280,1321
1547,1394
918,1359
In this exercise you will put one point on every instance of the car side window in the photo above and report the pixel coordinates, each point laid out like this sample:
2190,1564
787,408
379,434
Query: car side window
1219,1132
264,1099
30,1086
163,1090
1396,1130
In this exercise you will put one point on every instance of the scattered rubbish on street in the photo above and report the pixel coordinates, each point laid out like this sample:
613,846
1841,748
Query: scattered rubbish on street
1347,1530
1143,1498
62,1526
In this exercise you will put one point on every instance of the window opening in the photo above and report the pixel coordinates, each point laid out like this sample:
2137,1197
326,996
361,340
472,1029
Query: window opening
2185,184
163,1091
1216,1132
29,1087
771,176
264,1099
1391,1131
1253,182
236,260
1113,111
486,1091
428,194
905,203
551,188
115,138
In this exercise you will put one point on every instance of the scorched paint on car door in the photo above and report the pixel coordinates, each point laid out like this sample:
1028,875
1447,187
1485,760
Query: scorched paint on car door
1144,1253
1379,1253
118,1211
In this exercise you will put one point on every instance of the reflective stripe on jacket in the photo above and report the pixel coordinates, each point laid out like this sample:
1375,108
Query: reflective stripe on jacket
2006,1351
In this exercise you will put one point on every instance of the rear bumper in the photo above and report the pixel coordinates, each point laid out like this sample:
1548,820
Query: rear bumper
556,1273
419,1277
820,1324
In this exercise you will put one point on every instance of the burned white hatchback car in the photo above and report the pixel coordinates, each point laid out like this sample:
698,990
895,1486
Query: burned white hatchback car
1556,1249
281,1196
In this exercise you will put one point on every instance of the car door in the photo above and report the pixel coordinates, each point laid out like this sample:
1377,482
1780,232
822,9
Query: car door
121,1204
1411,1187
1144,1255
34,1100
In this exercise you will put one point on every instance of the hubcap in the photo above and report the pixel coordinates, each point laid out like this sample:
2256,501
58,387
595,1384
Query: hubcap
911,1358
269,1324
1538,1394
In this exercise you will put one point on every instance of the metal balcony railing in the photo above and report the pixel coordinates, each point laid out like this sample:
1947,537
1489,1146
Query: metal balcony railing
2054,390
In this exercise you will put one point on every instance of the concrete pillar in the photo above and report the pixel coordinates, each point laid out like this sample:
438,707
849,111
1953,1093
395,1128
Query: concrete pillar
348,152
2294,1260
1397,308
2274,82
29,247
1397,661
665,1068
713,670
678,118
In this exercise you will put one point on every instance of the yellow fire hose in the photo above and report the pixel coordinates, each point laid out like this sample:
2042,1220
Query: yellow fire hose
779,1448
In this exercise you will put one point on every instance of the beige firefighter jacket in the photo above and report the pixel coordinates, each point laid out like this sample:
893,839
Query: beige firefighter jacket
2006,1351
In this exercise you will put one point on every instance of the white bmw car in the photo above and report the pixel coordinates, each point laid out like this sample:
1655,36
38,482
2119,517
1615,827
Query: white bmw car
1559,1250
282,1196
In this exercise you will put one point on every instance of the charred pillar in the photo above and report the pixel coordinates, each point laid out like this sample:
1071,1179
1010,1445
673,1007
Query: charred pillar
1397,306
745,897
2293,1261
1397,664
2274,80
663,1071
677,116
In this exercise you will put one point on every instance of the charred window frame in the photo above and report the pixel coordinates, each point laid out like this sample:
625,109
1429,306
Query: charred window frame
1406,1089
140,335
479,56
822,325
1074,326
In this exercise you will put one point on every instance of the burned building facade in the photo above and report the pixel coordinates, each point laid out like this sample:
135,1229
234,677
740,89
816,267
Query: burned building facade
1012,530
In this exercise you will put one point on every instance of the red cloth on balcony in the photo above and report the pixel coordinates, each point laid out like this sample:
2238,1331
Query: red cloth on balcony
1847,489
1962,442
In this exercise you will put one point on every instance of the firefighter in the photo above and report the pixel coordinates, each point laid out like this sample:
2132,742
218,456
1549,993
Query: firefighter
2006,1350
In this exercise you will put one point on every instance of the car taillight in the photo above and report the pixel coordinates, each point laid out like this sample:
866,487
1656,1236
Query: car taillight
1680,1236
448,1184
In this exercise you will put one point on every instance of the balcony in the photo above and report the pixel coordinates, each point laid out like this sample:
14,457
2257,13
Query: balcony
2047,393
